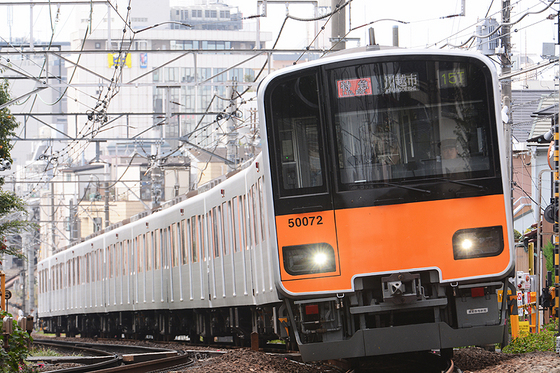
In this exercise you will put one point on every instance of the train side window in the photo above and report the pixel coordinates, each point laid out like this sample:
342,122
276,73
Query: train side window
118,259
113,262
201,237
215,228
174,245
109,261
141,253
294,118
255,203
235,219
97,257
194,238
185,224
125,257
223,219
73,264
165,248
93,261
242,222
87,268
262,207
157,249
149,251
183,229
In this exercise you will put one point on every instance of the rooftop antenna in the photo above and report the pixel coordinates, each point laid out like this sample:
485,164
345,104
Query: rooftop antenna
371,36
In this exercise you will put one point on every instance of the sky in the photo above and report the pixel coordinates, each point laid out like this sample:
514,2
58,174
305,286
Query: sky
427,25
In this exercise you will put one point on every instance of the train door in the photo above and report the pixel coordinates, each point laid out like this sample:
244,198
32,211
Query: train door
216,272
134,270
159,283
303,207
127,272
207,260
230,273
168,265
242,256
219,252
177,260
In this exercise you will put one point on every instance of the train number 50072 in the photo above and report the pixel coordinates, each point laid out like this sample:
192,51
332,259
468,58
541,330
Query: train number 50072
305,221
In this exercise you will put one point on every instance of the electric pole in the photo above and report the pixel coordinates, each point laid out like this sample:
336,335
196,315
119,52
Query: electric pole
505,59
338,25
232,132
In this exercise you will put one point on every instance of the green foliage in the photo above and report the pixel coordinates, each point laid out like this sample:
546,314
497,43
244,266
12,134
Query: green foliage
543,341
7,122
41,351
13,359
517,235
553,326
9,202
548,250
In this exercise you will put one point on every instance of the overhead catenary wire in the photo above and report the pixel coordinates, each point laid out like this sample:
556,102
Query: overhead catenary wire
100,127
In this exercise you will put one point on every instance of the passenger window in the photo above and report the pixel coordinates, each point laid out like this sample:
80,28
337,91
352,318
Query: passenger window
295,120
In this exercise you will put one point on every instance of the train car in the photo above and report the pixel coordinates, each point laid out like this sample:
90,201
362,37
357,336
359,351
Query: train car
390,201
375,221
200,267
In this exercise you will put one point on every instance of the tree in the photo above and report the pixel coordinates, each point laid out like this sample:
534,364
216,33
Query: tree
11,206
548,252
7,124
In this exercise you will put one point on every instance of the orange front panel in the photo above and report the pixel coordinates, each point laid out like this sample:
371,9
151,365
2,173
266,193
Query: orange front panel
299,229
398,238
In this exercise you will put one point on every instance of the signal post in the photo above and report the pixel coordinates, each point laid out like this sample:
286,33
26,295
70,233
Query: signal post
2,291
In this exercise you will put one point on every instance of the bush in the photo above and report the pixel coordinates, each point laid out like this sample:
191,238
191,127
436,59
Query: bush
543,341
13,360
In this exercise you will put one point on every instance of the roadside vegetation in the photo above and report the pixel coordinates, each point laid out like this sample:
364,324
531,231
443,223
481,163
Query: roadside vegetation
13,358
532,342
12,222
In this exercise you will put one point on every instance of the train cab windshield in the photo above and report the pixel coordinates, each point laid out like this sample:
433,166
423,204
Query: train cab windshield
411,120
410,128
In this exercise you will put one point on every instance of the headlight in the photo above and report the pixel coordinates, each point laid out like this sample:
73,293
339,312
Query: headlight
308,259
478,242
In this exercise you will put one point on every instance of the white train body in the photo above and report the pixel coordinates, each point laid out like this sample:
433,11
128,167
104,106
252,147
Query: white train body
204,252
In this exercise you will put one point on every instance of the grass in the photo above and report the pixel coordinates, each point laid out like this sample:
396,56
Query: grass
532,342
41,351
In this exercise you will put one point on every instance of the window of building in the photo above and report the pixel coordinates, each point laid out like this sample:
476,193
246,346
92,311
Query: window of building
210,13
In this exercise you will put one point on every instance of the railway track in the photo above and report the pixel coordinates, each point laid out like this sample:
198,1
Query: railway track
110,358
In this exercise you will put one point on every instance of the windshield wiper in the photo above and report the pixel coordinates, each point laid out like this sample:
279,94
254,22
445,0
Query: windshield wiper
402,186
461,183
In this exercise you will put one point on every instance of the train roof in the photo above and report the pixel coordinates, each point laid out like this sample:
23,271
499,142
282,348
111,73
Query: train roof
372,51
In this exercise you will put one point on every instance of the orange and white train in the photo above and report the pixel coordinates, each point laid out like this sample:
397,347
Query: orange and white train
375,221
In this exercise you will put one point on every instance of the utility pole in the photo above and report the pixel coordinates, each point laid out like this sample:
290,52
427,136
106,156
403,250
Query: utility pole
556,200
231,148
156,166
53,217
505,59
338,25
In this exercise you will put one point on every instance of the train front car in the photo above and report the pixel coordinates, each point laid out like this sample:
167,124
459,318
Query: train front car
391,207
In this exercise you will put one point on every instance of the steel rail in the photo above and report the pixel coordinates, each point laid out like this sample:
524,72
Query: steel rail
155,359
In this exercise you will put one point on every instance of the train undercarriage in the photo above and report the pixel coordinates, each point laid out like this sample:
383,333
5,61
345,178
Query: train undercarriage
399,313
388,314
236,325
